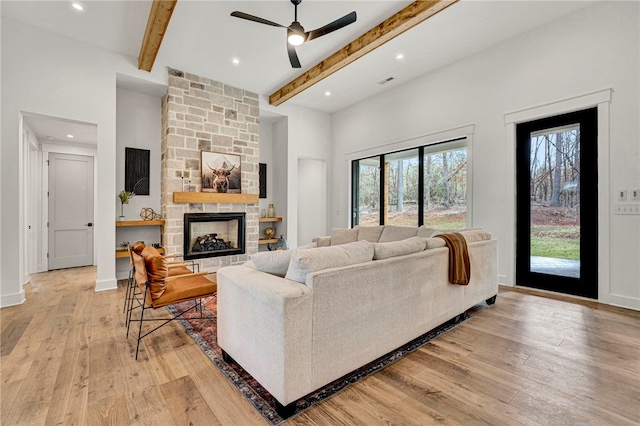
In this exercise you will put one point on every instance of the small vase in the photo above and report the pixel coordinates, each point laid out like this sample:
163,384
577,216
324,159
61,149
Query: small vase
271,211
263,213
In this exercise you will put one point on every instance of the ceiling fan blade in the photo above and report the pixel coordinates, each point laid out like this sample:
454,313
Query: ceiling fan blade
347,19
293,56
248,17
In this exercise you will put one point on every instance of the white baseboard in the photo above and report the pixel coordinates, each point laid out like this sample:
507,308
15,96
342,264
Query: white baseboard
104,285
12,299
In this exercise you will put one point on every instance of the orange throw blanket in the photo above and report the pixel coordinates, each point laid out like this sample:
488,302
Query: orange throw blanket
459,266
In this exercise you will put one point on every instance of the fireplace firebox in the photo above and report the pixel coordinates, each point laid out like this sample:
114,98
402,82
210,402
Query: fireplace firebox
213,234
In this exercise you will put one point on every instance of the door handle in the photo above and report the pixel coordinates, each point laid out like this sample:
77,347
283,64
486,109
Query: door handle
89,224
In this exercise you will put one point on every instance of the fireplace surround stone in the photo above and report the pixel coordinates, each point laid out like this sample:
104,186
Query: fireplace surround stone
200,114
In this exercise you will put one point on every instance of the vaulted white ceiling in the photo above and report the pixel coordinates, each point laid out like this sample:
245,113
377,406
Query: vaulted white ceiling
203,39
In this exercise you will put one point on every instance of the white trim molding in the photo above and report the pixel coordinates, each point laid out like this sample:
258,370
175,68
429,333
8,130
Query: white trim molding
600,99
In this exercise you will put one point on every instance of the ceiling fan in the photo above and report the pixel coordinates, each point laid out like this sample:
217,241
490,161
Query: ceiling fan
295,32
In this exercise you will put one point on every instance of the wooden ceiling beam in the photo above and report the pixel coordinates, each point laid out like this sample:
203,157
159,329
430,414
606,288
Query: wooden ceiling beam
407,18
159,17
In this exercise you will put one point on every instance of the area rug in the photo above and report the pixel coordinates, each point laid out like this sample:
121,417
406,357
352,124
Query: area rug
204,333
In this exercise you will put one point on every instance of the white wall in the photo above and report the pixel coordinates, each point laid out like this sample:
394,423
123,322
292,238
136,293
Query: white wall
312,199
266,157
52,75
591,50
138,125
308,135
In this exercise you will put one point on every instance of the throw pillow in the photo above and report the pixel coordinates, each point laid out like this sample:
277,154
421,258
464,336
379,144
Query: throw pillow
398,248
397,233
344,236
276,262
369,233
305,261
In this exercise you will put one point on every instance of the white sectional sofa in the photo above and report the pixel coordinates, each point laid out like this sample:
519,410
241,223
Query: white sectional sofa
296,320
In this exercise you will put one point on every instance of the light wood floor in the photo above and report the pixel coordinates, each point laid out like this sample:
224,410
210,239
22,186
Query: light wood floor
525,360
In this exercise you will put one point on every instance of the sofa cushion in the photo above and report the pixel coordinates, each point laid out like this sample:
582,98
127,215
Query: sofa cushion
322,241
398,248
473,235
470,235
305,261
425,232
369,233
435,243
344,236
276,262
397,233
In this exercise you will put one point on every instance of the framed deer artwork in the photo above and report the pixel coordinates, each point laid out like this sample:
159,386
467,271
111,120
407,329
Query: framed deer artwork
220,172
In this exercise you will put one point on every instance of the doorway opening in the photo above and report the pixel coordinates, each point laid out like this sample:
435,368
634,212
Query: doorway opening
557,204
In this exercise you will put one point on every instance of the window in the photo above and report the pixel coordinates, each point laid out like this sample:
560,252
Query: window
425,185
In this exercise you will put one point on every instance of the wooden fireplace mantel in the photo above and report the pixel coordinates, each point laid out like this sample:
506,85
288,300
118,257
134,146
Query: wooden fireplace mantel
213,197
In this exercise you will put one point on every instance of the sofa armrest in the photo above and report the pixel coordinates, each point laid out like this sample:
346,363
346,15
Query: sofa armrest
264,323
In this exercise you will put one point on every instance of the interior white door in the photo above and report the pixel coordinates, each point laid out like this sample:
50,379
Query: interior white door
70,211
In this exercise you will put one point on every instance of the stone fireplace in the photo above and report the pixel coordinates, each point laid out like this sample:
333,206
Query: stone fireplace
213,234
199,114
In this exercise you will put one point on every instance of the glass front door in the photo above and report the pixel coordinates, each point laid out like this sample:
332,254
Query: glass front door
557,203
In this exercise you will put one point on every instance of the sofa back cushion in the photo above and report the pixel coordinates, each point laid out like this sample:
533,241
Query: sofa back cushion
470,235
343,236
435,243
397,233
369,233
426,232
305,261
398,248
276,262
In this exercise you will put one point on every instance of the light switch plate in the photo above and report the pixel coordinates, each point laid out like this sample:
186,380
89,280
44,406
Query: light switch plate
627,208
621,194
635,195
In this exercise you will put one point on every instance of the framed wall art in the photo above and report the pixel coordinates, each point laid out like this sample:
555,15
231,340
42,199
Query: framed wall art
136,170
220,172
262,176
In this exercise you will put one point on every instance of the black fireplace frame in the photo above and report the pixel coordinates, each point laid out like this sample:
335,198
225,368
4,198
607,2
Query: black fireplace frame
213,217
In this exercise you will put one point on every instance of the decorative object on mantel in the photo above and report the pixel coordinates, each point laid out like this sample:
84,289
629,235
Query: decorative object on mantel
124,196
220,172
271,211
124,244
263,213
269,233
281,244
147,213
182,175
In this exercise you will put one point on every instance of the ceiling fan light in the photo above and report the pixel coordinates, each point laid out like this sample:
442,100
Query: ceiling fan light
295,39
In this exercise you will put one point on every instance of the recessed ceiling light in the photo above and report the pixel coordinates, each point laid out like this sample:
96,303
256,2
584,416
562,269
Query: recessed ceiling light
327,93
77,6
235,61
399,56
70,136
